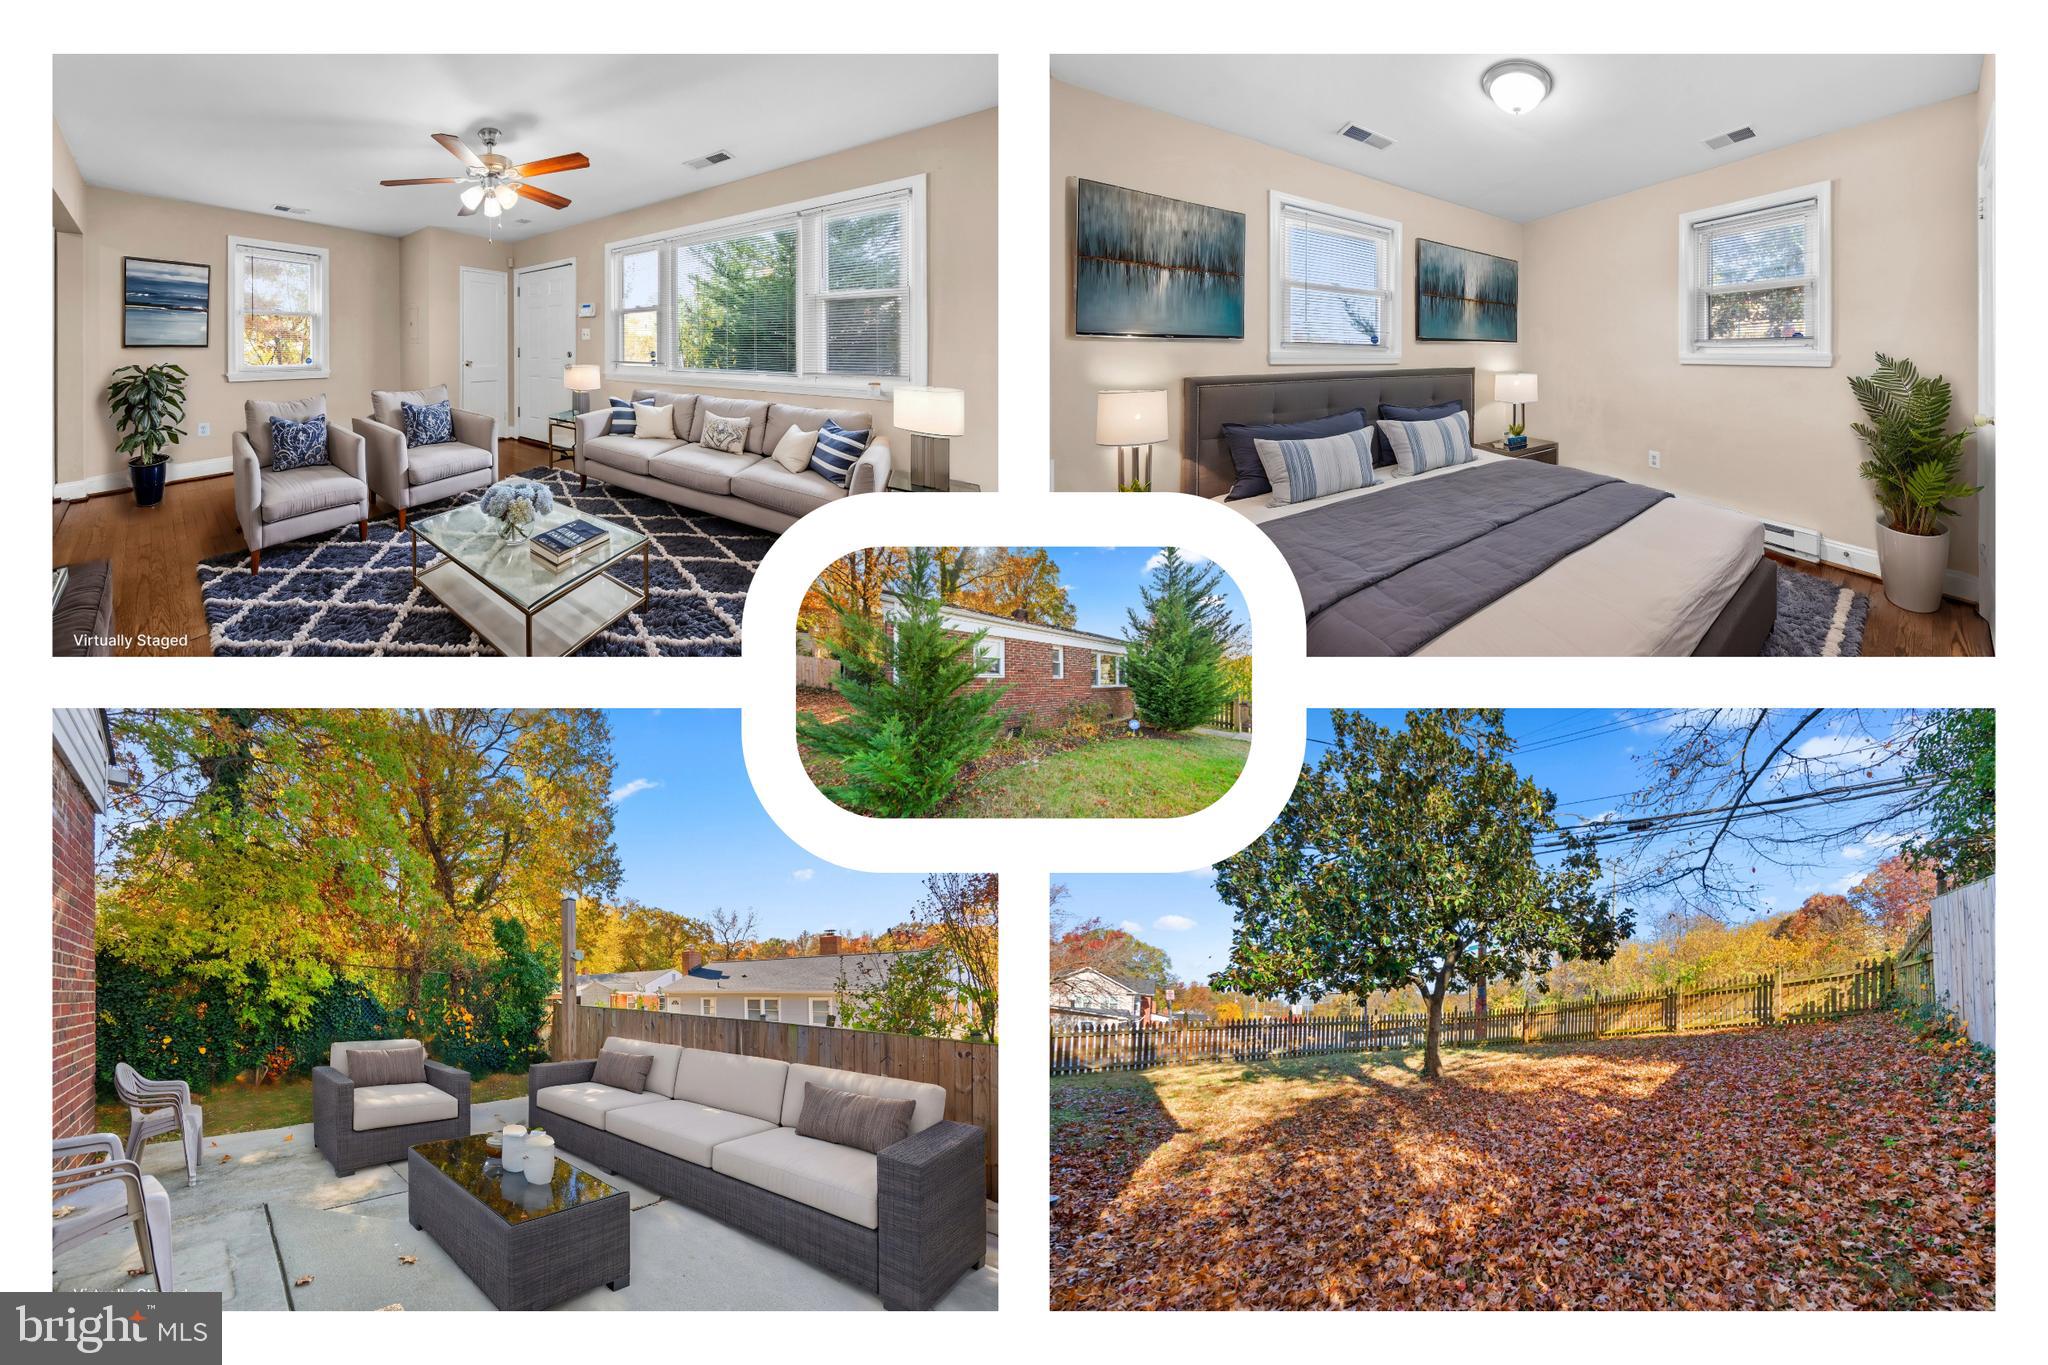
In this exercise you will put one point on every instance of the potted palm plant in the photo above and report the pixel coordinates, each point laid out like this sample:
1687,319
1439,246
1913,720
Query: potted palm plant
147,403
1915,468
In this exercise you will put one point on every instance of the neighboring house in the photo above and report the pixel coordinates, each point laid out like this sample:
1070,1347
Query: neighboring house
622,988
788,990
1048,671
1086,995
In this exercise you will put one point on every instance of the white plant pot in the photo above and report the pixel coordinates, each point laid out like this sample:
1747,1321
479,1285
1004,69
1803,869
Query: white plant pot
1912,567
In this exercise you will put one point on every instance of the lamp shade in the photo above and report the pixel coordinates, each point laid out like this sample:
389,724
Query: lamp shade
580,378
1130,417
931,412
1514,388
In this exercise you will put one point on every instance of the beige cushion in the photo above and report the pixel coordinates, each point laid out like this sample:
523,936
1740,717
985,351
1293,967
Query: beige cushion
337,1053
768,484
872,1123
431,464
723,1080
658,423
661,1074
685,405
385,403
707,471
930,1099
389,1065
793,451
256,415
837,1180
783,416
683,1129
754,411
630,453
393,1106
289,493
588,1102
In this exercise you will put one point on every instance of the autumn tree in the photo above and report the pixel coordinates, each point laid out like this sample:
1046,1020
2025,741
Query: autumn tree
851,587
1178,637
960,912
1406,857
733,932
648,938
1895,896
913,993
1958,753
1019,583
1113,951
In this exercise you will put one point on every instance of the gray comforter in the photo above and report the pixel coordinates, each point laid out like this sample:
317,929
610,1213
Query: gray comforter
1389,572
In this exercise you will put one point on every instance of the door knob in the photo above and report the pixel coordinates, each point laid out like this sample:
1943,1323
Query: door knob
467,363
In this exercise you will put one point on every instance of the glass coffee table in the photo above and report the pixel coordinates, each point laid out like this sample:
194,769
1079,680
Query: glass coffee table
503,592
524,1244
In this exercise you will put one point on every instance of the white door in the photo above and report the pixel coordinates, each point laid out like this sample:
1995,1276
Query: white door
481,330
1987,375
547,343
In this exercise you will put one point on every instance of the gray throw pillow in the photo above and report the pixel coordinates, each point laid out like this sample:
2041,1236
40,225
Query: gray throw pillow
868,1122
387,1065
623,1070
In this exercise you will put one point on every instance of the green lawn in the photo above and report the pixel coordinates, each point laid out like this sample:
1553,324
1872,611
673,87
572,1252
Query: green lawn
1147,778
236,1107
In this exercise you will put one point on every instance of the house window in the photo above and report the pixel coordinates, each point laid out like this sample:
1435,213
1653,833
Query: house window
1059,662
768,1009
990,655
1754,280
824,296
1333,295
707,1006
822,1012
277,306
1109,670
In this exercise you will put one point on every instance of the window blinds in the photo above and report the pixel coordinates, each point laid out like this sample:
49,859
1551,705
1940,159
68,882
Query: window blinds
1756,277
856,315
1338,280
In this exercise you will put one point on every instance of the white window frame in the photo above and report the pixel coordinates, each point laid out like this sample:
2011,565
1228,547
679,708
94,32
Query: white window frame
831,1013
706,1005
807,216
1393,317
1059,662
1819,350
758,1007
1116,672
994,666
241,249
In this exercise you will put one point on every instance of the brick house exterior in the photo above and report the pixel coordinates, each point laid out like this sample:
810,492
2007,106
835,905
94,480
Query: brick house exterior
79,761
1049,671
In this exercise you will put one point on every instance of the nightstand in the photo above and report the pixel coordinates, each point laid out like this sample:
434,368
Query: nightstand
1543,452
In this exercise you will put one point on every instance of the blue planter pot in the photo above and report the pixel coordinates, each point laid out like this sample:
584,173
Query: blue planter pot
149,482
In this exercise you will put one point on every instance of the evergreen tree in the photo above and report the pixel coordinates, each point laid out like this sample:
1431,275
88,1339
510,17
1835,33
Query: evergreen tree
1177,645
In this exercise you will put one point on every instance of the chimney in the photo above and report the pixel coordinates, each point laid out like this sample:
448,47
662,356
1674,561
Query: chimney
828,943
692,960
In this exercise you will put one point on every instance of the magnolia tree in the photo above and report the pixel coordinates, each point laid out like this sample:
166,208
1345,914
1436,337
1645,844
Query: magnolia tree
1407,858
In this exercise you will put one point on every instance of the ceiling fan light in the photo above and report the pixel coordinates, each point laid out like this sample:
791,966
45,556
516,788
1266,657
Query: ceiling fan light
492,208
506,195
1516,86
472,196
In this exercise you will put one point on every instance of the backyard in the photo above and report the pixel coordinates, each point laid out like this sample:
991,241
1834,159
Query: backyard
237,1106
1835,1165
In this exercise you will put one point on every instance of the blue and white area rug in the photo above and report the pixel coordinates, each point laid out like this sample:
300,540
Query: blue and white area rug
1817,619
336,595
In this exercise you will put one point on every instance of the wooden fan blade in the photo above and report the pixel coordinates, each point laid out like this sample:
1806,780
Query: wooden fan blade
460,150
541,196
574,161
443,180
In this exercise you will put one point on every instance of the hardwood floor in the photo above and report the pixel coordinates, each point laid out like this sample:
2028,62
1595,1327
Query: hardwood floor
1955,630
156,551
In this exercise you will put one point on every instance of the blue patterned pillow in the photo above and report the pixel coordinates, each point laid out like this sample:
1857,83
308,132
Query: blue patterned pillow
428,424
1304,470
625,421
296,445
838,451
1422,446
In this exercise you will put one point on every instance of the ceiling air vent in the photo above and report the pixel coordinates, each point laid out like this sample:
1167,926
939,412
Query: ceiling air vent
1358,134
287,208
705,163
1730,139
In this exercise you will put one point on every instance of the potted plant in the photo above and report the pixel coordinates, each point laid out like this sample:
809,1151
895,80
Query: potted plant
1915,468
147,403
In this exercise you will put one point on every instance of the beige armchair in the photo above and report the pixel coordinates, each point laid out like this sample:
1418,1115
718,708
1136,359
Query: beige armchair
275,506
407,476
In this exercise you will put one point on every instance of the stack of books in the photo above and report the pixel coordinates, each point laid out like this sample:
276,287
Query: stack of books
568,542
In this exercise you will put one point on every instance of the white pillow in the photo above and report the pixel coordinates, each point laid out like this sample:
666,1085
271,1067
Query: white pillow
1317,467
793,451
659,423
1422,446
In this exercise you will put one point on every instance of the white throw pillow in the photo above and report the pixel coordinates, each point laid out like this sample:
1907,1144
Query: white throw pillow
659,422
728,434
793,451
1303,470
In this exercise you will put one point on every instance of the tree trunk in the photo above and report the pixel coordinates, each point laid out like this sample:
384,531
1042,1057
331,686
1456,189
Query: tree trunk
1432,1067
1479,1010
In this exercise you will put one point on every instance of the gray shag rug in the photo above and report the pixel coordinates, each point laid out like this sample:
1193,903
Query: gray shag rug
1817,619
336,595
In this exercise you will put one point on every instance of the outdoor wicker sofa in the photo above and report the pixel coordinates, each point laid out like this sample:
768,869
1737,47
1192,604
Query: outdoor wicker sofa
718,1132
356,1126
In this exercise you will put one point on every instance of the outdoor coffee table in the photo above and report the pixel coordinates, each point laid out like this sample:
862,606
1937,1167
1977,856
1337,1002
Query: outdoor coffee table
503,592
525,1245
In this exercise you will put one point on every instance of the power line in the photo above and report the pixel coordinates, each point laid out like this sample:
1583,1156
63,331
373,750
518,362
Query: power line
1704,817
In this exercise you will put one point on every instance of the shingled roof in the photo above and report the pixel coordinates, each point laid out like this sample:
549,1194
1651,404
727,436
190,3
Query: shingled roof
783,975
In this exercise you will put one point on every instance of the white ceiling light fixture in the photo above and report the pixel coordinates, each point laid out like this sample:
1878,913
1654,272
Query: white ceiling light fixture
1516,86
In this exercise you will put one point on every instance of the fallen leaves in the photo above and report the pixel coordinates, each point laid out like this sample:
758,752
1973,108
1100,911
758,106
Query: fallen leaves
408,1260
302,1281
1844,1165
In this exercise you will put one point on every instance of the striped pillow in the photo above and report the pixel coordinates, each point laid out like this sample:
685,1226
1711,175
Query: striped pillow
625,421
1316,467
1422,446
838,451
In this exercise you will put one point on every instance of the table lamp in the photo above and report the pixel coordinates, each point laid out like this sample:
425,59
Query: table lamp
1515,389
1129,419
932,417
582,381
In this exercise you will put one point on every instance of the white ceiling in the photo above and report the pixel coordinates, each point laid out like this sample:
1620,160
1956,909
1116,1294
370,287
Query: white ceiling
1611,124
249,132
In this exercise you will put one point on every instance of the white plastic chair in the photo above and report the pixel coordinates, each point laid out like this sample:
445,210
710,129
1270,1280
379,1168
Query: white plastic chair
160,1107
86,1201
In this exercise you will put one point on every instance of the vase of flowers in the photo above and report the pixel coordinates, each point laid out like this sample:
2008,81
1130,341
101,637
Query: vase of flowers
516,504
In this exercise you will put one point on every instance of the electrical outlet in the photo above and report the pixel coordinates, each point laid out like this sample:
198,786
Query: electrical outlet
586,334
206,428
1656,459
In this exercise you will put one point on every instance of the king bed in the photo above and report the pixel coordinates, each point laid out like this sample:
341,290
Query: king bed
1488,556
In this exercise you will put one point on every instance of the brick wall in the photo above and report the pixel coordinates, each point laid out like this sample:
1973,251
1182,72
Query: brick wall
1035,694
73,1000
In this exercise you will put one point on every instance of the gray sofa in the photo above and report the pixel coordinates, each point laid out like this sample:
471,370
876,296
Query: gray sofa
718,1132
275,506
407,476
356,1126
749,487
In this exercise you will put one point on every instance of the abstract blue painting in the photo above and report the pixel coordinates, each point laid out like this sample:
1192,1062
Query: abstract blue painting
1149,266
163,303
1464,295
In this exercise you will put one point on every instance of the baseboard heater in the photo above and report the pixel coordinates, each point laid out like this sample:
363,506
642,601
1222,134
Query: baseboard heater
1797,541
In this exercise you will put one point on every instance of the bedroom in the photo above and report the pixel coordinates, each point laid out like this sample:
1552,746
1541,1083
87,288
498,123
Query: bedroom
1666,270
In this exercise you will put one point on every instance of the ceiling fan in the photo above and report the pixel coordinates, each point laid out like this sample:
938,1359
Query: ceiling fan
491,182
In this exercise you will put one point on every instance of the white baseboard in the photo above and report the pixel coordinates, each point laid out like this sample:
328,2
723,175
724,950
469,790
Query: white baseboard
180,470
1955,583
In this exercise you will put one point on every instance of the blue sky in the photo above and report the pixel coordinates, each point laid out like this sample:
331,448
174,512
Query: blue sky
1103,582
1587,757
692,836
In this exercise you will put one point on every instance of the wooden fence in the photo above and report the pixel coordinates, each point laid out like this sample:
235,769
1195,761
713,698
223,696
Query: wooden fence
967,1071
1961,929
1744,1003
815,672
1235,715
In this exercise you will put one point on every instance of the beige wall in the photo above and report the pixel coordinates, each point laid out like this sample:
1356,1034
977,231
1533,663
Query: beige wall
1095,137
67,332
1599,325
363,331
431,262
67,187
959,157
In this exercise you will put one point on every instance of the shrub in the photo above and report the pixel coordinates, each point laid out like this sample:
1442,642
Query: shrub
1175,664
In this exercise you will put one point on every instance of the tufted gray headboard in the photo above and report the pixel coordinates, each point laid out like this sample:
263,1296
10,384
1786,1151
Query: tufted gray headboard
1205,464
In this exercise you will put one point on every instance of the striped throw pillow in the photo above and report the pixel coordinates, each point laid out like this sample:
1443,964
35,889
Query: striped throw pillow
1422,446
625,420
1316,467
838,451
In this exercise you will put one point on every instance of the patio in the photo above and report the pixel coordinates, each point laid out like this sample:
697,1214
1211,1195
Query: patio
268,1212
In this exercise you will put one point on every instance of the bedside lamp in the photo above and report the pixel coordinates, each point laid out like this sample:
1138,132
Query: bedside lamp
582,381
1130,418
1515,390
934,417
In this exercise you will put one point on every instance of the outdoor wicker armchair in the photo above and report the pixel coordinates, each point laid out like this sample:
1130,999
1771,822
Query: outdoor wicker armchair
356,1126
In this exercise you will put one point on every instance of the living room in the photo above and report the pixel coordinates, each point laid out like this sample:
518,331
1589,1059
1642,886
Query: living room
604,236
